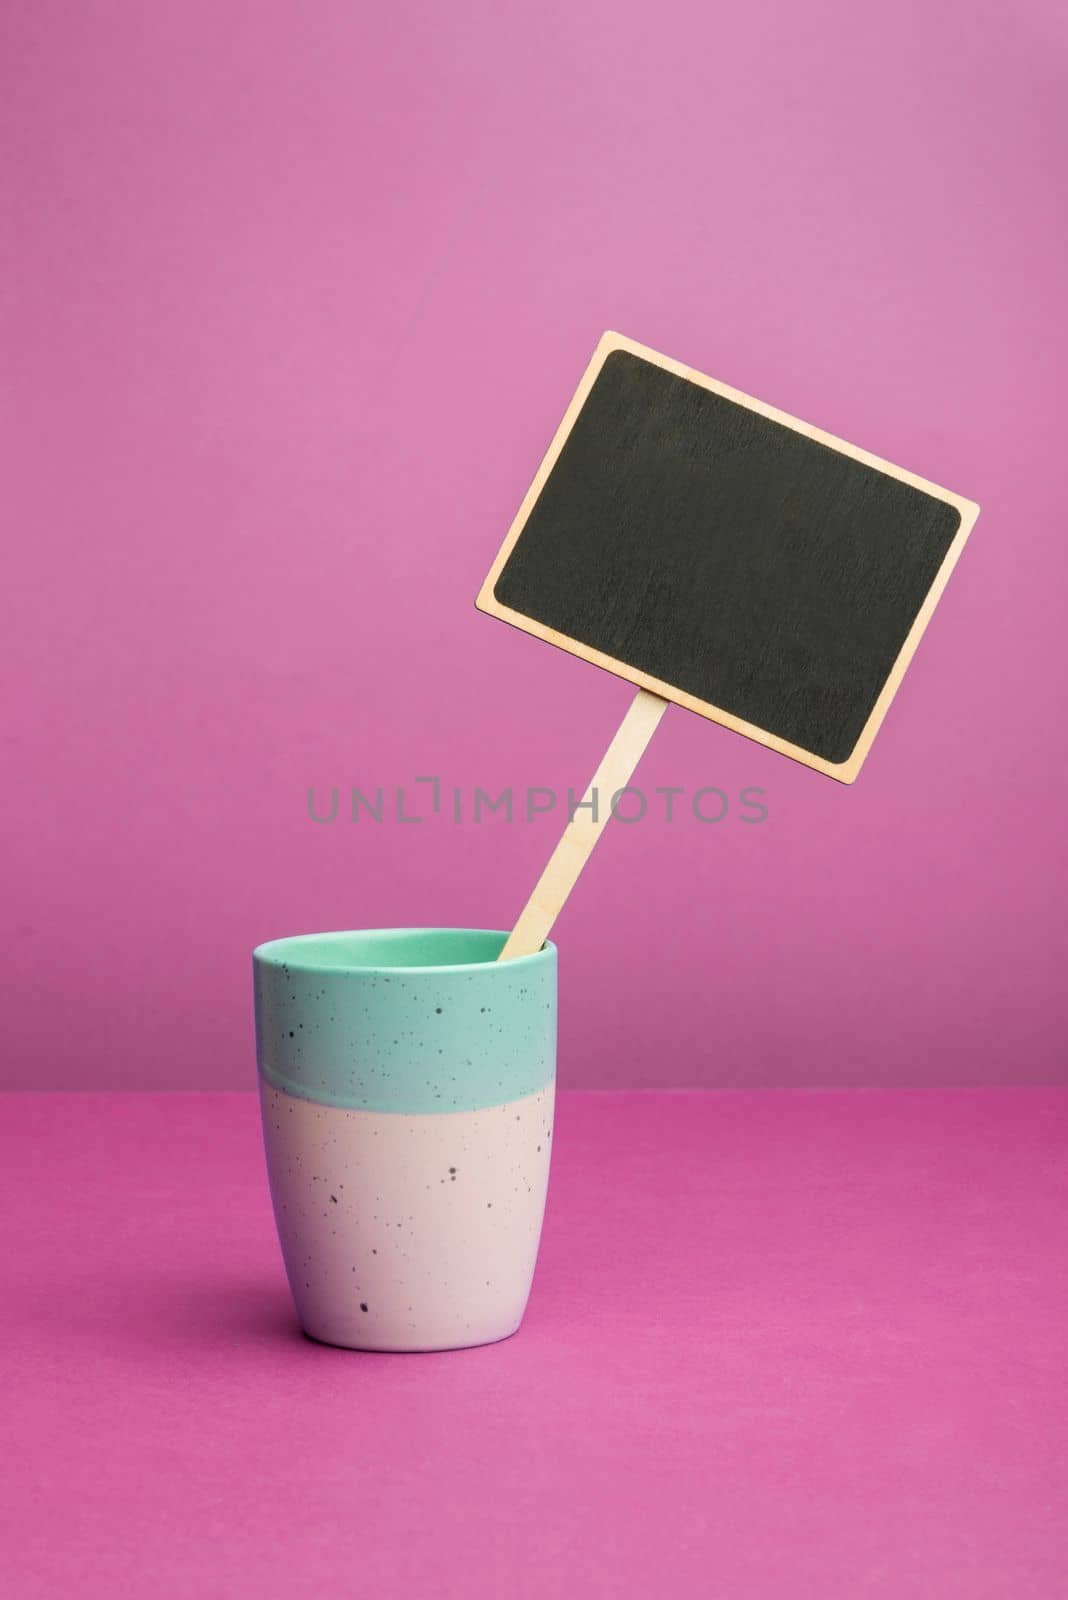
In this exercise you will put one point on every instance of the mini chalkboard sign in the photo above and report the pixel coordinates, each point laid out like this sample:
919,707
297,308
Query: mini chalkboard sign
723,555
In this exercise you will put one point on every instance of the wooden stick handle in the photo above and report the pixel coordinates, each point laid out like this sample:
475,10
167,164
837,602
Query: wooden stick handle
584,829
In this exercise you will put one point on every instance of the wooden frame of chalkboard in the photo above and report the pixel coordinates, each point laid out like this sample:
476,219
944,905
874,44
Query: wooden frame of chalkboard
845,771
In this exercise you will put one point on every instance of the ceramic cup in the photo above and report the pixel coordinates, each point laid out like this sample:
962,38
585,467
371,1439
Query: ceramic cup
407,1081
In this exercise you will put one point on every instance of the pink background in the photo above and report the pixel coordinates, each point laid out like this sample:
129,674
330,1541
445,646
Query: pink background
294,299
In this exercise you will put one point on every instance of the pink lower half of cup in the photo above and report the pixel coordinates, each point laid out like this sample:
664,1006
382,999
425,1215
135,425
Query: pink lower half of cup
408,1232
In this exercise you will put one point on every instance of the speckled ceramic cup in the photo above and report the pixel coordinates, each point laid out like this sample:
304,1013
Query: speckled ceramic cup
407,1081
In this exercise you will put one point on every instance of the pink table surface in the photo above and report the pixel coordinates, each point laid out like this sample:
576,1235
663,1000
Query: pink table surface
780,1344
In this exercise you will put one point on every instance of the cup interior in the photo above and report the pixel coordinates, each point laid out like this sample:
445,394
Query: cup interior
371,949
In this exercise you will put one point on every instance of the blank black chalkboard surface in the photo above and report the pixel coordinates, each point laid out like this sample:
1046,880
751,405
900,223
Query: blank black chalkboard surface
723,555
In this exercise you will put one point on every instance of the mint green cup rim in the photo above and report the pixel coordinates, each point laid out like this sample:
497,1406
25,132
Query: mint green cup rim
380,950
410,1020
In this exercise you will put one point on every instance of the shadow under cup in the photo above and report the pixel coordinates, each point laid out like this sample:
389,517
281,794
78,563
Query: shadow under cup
407,1084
